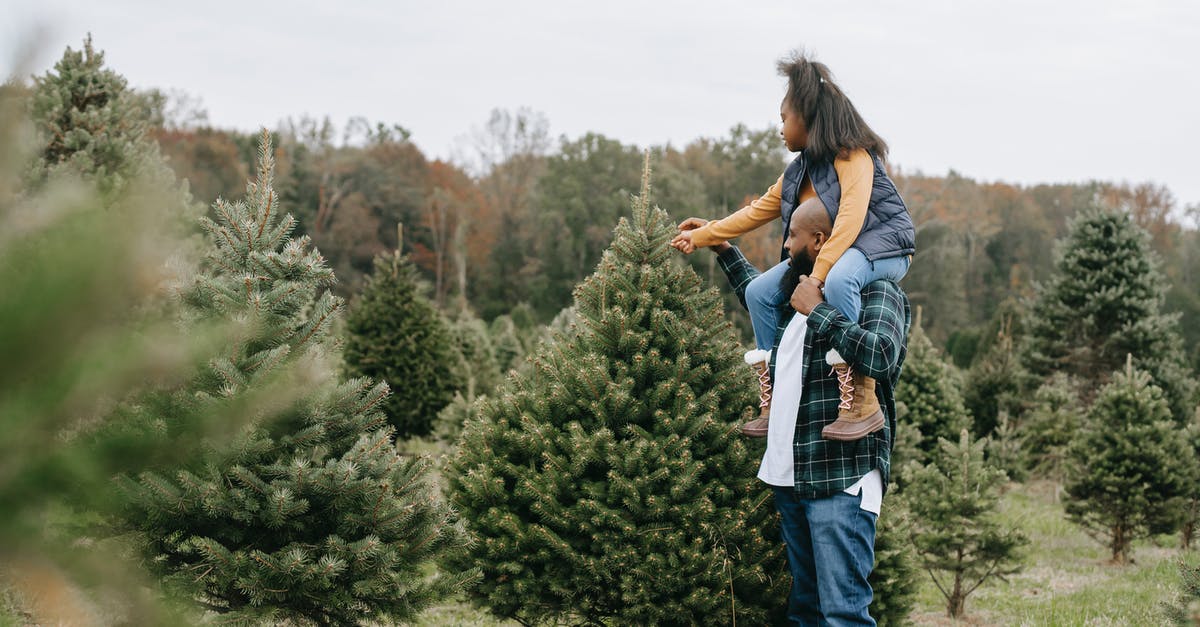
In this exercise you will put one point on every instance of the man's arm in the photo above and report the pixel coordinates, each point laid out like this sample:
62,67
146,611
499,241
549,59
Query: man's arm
737,269
872,346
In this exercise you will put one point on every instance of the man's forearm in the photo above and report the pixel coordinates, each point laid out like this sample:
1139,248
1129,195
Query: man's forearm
872,348
738,270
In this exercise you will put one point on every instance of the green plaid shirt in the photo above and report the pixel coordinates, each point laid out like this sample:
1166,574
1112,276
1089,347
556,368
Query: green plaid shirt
875,346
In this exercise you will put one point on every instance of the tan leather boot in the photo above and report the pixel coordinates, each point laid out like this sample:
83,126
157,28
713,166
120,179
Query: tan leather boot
858,412
759,361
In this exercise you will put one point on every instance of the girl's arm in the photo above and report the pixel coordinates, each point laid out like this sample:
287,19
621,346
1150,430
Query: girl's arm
744,220
855,174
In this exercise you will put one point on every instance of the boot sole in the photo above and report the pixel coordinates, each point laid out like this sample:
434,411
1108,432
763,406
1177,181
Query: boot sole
842,431
754,432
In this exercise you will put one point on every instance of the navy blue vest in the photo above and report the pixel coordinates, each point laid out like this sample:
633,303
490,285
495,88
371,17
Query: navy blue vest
888,230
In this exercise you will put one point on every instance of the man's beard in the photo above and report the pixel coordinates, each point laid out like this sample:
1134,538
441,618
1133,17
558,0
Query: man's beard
799,265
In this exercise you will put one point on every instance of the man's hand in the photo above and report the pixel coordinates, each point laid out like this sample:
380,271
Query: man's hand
683,241
807,295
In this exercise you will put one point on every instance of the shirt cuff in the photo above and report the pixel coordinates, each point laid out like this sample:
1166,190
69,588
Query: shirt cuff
729,256
822,317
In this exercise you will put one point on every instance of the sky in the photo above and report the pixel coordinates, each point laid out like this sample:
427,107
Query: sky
1017,91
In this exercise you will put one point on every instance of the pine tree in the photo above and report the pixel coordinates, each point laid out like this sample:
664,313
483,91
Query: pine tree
929,393
1051,424
956,531
476,364
1105,302
1185,611
1191,507
894,578
313,518
91,124
995,385
395,334
607,484
1128,469
507,342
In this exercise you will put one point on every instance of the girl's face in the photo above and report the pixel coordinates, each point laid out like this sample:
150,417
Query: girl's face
793,130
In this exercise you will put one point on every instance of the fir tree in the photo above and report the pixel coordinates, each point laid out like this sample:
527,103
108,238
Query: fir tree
91,124
313,518
476,364
995,385
395,334
894,578
607,484
1128,468
956,531
1051,424
507,342
1105,302
1191,507
1185,611
929,391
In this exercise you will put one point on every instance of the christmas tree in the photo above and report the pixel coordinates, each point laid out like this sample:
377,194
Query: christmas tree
894,578
313,517
1185,611
91,124
1051,424
607,484
953,500
1130,466
1105,302
929,394
476,363
1191,507
395,334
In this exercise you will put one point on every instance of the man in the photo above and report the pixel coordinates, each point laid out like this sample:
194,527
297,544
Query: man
828,493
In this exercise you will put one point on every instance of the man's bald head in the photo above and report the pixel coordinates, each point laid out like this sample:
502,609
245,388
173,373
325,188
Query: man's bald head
811,217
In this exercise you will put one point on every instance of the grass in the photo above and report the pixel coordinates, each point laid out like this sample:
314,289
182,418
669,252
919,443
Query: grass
1068,579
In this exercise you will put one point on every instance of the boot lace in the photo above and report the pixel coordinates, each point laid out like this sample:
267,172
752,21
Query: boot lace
845,378
764,388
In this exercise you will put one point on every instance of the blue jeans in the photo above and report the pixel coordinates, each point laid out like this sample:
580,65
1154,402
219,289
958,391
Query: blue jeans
843,290
831,552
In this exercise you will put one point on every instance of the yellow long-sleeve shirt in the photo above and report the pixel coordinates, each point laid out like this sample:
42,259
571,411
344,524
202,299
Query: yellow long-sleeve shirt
855,174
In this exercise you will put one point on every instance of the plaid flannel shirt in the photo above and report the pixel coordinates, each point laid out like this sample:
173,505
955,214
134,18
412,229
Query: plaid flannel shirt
875,346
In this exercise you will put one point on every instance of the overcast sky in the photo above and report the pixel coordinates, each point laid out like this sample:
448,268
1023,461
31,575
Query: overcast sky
1019,91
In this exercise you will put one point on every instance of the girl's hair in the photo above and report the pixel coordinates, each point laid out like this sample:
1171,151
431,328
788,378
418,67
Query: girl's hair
834,125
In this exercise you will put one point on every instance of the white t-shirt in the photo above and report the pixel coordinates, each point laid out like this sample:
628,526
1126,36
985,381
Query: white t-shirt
778,467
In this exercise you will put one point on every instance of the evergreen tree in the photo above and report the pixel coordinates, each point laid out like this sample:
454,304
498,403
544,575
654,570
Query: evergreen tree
91,124
506,341
1128,468
1185,611
929,391
1051,425
455,415
995,385
1105,302
313,518
607,484
394,334
956,531
894,578
1191,507
476,357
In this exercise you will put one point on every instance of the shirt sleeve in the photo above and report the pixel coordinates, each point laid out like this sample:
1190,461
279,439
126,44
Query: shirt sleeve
874,347
856,175
738,270
759,212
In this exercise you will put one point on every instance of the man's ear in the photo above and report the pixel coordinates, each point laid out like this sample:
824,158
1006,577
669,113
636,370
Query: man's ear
819,239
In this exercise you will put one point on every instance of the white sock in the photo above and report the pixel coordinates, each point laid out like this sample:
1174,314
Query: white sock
834,358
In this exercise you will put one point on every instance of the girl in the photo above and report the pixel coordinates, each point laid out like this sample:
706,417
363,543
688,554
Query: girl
841,163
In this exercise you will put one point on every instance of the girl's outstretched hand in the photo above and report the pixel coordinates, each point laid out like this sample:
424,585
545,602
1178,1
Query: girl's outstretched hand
683,241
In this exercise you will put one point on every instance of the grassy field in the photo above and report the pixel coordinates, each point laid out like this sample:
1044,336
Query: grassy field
1067,579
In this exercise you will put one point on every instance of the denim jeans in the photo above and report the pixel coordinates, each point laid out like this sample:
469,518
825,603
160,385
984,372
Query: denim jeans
831,551
843,290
